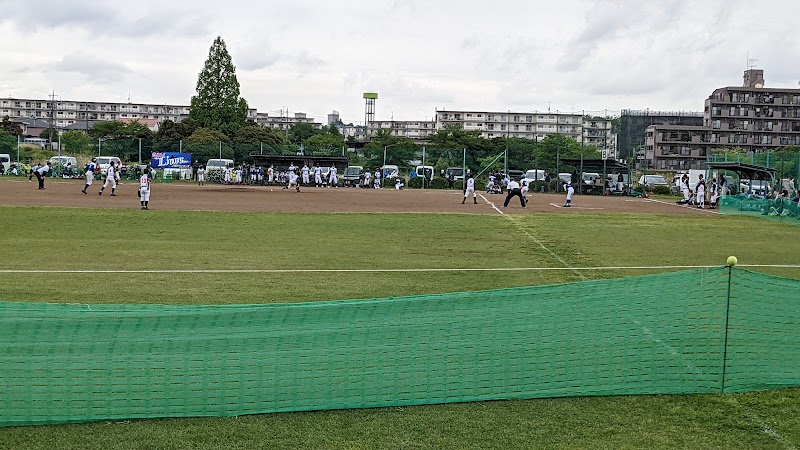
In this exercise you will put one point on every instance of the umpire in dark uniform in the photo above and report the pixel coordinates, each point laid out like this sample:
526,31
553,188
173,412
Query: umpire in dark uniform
514,190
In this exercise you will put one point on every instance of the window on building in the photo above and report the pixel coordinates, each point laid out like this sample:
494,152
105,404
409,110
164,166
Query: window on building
528,128
732,111
743,112
768,126
503,117
516,127
502,127
490,126
703,151
716,124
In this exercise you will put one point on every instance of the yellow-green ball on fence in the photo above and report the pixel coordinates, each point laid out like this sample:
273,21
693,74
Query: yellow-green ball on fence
732,261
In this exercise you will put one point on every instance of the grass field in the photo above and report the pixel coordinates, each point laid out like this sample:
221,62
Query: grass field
88,239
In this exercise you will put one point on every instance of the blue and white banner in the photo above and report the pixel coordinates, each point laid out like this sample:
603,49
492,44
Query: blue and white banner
171,160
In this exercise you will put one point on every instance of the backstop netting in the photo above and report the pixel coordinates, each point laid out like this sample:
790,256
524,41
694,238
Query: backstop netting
673,333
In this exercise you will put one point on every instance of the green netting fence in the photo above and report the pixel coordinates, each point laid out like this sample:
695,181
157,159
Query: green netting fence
777,210
673,333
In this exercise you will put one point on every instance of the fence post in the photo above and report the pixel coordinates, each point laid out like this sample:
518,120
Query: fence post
731,263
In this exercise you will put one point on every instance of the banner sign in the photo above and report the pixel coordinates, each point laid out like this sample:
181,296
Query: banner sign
171,160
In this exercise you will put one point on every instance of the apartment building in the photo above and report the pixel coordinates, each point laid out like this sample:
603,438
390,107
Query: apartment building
751,117
599,131
419,130
284,122
528,125
65,113
677,147
634,123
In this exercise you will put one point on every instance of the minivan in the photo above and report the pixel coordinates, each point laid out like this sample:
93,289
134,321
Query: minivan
105,161
5,161
422,171
456,172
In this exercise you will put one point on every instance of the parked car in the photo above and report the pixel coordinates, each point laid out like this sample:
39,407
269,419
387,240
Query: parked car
390,169
352,176
534,175
651,181
423,170
516,174
105,161
5,161
457,172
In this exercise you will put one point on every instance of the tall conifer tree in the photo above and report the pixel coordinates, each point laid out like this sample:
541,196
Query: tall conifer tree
217,104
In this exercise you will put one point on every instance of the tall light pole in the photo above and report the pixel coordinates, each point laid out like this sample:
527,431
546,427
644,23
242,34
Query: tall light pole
384,157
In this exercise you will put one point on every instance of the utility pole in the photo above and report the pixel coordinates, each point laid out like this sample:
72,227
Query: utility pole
52,118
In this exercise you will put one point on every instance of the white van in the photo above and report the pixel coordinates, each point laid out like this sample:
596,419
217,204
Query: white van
390,169
105,161
419,171
219,164
534,175
64,161
5,161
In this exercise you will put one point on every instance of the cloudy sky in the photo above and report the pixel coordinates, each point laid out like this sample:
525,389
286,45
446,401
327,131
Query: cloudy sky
314,56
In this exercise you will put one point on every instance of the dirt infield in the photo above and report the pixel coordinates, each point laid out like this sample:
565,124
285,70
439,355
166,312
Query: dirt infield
190,197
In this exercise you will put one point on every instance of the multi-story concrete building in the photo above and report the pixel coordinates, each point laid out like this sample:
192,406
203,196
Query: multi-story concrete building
284,122
66,113
676,147
752,118
634,123
419,130
599,131
529,125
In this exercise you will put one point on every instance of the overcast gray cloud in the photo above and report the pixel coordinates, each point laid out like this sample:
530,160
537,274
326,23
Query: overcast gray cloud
419,56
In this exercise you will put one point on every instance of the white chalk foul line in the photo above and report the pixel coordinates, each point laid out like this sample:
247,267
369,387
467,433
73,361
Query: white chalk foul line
710,211
573,207
399,270
491,204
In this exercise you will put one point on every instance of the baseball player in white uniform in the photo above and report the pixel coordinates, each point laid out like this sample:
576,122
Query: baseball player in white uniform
470,190
367,175
293,182
377,179
317,175
305,171
570,191
334,180
201,175
270,174
111,178
144,189
89,174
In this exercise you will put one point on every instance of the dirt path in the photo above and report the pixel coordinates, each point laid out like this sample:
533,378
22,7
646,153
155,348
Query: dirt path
182,196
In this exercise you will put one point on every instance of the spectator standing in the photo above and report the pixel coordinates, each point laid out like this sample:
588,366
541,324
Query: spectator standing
40,173
89,175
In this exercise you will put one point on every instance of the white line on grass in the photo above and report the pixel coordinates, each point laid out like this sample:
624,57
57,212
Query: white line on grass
410,270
